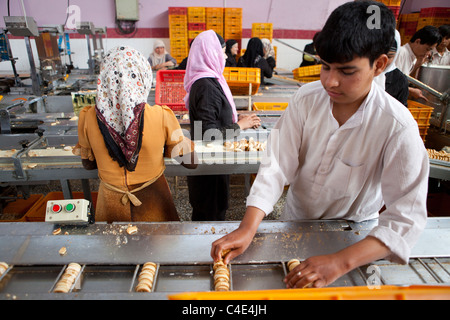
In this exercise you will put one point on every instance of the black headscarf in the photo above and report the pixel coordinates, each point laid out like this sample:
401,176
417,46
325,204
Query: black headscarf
254,52
230,43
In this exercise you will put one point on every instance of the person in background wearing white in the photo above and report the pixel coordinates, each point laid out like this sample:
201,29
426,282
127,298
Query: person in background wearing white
441,55
413,54
159,59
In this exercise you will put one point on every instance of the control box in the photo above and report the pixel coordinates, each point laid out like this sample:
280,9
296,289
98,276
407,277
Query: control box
21,26
71,211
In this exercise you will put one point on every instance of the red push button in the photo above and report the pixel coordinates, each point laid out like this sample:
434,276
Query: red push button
56,208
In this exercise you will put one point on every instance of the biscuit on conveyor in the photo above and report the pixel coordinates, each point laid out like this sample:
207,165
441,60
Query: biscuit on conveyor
68,278
221,276
3,267
146,277
292,264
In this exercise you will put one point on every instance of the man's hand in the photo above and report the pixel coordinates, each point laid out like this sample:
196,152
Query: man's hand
317,272
238,240
320,271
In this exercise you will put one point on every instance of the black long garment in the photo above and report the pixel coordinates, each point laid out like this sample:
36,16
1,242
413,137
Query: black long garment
211,118
397,85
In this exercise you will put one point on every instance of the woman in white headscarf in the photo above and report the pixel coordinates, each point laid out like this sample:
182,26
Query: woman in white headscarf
269,52
122,137
160,59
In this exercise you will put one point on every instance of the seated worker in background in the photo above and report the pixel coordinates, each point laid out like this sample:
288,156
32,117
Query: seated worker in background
269,53
212,113
345,147
159,59
441,55
124,137
415,53
232,49
307,59
254,58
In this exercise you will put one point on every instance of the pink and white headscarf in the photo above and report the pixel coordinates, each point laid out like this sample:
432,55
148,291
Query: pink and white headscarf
206,60
123,87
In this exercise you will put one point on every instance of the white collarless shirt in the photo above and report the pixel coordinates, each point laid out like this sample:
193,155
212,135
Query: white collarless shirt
377,157
406,59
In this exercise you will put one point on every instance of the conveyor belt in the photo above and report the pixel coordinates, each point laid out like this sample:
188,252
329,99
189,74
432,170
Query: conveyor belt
111,259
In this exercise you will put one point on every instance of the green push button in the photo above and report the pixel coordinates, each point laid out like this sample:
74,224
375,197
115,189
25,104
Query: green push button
70,207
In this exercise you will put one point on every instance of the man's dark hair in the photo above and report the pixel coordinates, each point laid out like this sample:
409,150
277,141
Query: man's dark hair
428,35
348,33
444,30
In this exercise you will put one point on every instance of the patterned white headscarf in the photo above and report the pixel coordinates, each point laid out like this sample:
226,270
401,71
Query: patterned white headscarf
123,87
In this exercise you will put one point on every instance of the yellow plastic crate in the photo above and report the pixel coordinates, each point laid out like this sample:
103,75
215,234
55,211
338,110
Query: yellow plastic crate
239,80
196,15
385,292
308,79
307,71
272,106
420,112
178,20
262,30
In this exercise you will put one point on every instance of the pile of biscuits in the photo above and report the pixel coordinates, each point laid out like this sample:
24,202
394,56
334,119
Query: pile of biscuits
3,267
438,155
292,264
146,277
221,276
68,278
244,145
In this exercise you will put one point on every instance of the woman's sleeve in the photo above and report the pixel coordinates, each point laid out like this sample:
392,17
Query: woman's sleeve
176,144
83,147
207,105
170,58
265,68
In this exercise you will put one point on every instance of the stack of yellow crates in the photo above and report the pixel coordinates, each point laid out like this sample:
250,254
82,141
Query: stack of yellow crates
214,20
434,16
262,30
196,21
233,23
394,5
178,33
407,26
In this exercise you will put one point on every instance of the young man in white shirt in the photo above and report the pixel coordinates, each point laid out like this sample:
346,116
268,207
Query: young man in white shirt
346,148
413,54
441,55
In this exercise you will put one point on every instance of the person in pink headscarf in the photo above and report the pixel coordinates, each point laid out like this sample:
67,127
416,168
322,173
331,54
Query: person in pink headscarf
213,116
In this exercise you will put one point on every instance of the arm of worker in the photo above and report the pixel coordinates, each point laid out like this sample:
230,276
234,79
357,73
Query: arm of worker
404,187
320,271
177,146
269,183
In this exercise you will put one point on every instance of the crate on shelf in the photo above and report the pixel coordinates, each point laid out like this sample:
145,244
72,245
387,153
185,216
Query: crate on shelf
214,20
272,106
178,11
196,15
262,30
307,71
421,112
16,210
239,80
307,79
177,19
169,90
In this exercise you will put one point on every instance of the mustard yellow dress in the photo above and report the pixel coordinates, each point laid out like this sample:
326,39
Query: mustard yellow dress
143,194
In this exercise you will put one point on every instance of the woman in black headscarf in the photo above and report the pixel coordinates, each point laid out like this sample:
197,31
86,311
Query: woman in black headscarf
254,58
231,52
